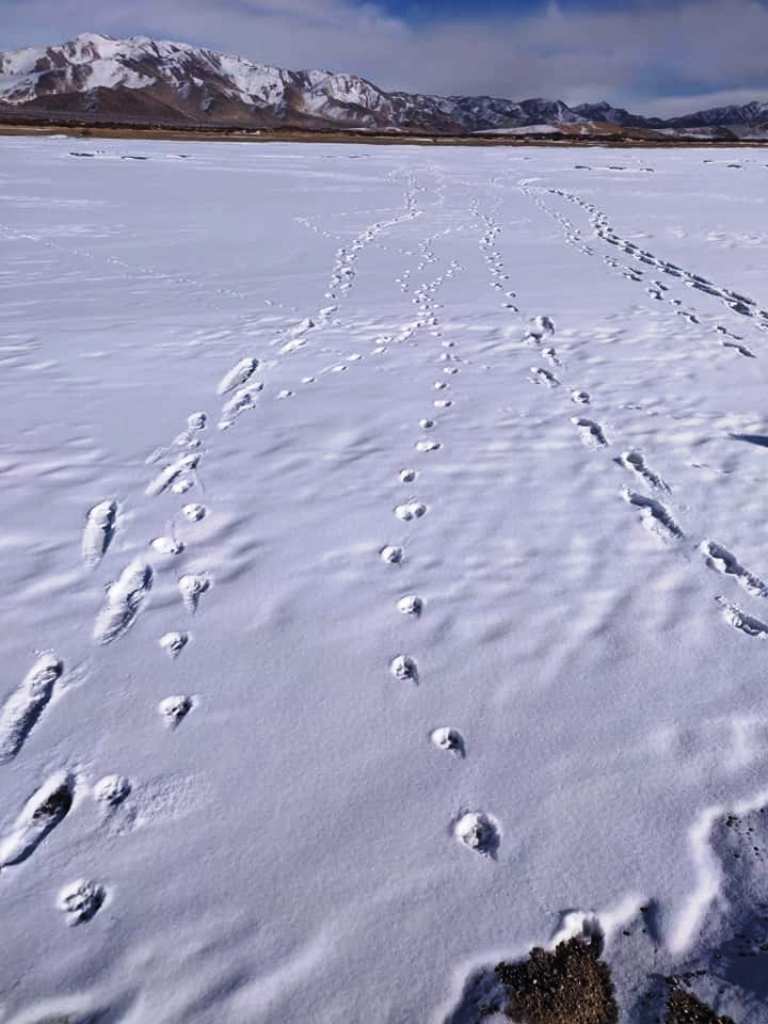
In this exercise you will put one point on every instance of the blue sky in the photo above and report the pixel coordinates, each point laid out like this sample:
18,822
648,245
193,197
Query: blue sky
649,55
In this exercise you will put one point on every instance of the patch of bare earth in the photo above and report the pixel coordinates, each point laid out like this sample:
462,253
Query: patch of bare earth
683,1008
569,985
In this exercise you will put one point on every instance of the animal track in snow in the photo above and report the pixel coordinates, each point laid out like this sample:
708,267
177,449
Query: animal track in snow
192,587
24,706
427,445
238,375
541,376
166,546
298,335
722,561
741,349
407,476
242,400
194,513
173,643
404,668
440,385
81,900
442,403
635,463
580,397
479,832
175,709
654,516
446,738
171,473
410,510
124,600
741,621
197,421
45,809
186,439
99,531
182,486
542,326
426,424
112,790
410,605
391,554
591,433
741,304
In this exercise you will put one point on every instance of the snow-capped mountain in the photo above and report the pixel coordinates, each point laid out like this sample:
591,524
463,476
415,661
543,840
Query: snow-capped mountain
147,79
754,113
605,112
144,80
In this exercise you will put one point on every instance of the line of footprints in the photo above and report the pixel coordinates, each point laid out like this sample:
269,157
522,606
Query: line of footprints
53,800
125,597
655,516
659,291
474,829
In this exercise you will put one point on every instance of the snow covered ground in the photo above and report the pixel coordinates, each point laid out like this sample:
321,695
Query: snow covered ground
369,442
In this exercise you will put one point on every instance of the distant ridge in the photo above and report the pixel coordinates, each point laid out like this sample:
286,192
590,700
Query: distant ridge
146,81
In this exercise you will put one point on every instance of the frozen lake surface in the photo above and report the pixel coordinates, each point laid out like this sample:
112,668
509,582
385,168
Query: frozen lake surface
347,492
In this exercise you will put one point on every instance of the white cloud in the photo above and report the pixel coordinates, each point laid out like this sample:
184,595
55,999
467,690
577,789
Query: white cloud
666,59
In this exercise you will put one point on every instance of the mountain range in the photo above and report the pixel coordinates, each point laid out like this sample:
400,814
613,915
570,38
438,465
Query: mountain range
141,80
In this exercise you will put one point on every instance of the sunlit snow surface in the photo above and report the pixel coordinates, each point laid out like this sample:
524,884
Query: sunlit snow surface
413,640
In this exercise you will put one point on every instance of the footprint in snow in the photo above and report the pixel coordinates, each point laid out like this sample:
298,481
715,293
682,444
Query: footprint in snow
166,546
479,832
238,375
410,605
112,790
550,354
722,561
175,709
542,326
81,900
410,510
124,600
635,462
241,401
591,433
171,473
45,809
653,515
404,668
197,421
742,622
446,738
580,397
194,512
192,587
391,554
173,643
99,531
26,704
541,376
